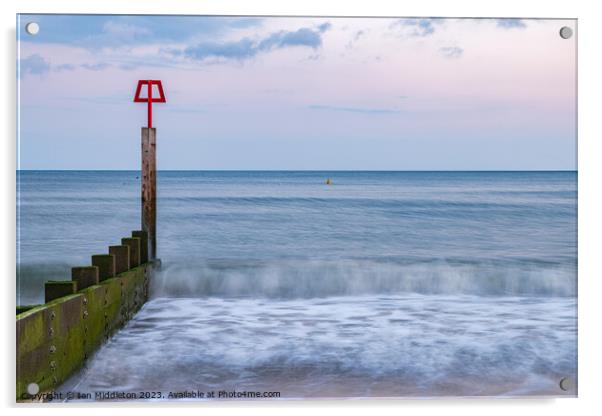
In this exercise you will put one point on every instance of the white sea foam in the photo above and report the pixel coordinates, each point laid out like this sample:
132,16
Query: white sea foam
370,345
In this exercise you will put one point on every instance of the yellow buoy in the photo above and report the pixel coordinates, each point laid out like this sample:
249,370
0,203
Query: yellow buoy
328,181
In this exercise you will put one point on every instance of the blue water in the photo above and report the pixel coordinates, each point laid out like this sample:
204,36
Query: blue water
391,283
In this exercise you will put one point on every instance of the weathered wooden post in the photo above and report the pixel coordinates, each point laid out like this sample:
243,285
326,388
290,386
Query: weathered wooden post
134,244
57,289
149,165
143,235
122,258
85,276
149,189
105,264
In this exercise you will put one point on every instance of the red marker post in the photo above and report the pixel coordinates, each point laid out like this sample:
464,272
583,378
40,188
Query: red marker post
149,96
149,165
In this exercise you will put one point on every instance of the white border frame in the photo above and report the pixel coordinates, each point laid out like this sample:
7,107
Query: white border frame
590,207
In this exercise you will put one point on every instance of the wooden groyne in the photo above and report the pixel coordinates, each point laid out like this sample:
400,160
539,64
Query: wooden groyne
55,339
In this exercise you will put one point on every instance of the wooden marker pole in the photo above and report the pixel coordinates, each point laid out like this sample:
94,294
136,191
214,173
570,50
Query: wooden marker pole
149,165
149,189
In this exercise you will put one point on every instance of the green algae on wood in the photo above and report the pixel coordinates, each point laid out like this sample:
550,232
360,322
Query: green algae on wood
54,340
25,308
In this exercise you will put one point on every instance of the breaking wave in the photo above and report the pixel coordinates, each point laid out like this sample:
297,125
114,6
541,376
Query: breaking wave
319,278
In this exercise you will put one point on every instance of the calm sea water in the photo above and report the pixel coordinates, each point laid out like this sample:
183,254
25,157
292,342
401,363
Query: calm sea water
381,284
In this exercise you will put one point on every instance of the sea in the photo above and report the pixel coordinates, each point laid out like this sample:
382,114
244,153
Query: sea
323,284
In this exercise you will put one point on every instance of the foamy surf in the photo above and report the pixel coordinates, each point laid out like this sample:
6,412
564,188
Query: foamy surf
352,346
288,279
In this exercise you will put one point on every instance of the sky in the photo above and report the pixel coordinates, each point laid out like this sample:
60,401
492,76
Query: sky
298,93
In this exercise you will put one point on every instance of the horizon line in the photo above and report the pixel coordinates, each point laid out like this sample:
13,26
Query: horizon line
301,170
